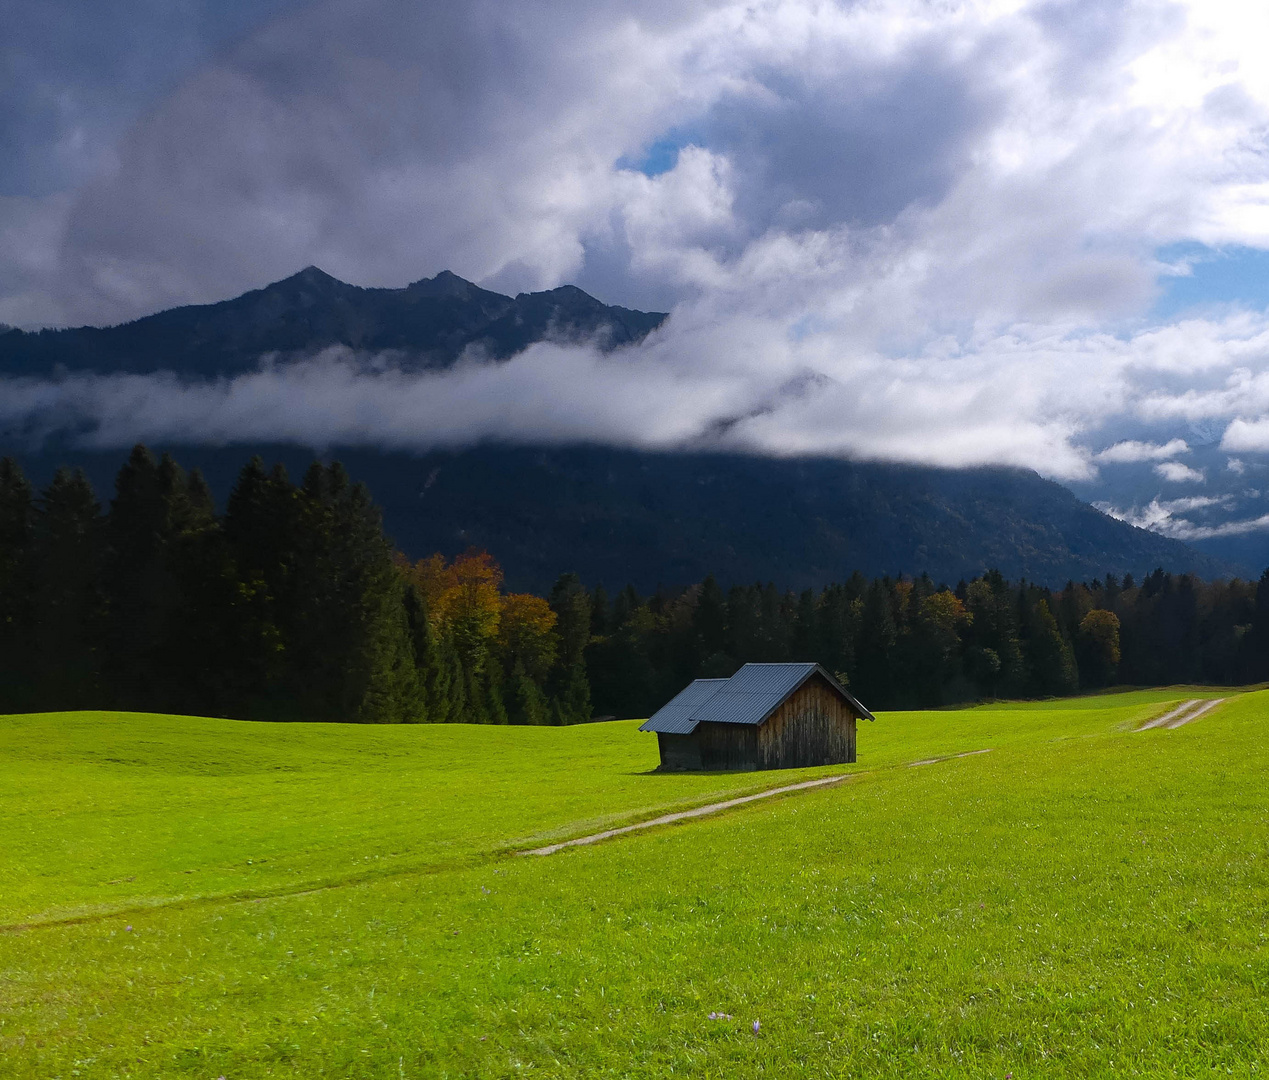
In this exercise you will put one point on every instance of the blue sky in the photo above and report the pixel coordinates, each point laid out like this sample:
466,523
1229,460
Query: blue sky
1235,275
661,155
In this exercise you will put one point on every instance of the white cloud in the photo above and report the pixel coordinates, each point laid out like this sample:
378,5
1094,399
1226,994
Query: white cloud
1179,473
1131,450
1247,435
1163,516
750,383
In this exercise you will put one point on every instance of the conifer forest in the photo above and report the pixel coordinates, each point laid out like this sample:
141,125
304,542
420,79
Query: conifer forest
292,605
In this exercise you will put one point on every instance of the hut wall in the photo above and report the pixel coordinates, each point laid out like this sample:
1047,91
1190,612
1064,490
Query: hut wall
813,727
727,747
679,753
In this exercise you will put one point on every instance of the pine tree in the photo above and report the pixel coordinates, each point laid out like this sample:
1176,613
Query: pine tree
875,647
1050,660
1256,642
1098,644
351,656
17,588
569,687
70,606
526,703
158,634
261,530
836,631
139,588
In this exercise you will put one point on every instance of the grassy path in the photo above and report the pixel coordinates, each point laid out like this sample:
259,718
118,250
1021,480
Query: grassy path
684,815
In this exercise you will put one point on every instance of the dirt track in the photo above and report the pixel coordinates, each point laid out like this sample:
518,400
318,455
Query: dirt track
1182,714
714,808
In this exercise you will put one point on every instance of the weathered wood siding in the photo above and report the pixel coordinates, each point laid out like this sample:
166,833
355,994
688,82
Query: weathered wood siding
727,747
813,727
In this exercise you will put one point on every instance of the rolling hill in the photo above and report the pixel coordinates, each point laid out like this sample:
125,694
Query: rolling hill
196,898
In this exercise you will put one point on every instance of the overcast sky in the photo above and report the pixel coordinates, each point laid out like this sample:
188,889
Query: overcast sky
1028,233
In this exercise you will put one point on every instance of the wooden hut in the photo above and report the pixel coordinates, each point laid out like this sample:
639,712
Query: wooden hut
766,716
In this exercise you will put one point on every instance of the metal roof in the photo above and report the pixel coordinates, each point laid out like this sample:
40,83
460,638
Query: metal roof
675,717
748,697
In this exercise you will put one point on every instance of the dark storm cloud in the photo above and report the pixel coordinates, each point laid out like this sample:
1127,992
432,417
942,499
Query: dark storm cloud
74,76
382,141
858,144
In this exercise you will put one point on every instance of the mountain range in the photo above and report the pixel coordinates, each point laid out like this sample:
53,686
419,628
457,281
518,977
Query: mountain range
427,325
612,515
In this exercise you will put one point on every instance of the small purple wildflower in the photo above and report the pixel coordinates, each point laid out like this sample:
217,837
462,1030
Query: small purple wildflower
756,1027
128,927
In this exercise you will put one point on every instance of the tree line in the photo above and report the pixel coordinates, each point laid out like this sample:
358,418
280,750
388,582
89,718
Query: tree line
292,605
903,643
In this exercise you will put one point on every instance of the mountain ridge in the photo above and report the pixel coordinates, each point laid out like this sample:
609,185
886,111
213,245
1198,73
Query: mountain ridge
427,325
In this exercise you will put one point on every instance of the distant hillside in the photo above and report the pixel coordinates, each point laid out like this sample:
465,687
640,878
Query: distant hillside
429,322
618,516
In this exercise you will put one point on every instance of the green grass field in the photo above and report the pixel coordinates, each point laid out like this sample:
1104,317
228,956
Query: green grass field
184,897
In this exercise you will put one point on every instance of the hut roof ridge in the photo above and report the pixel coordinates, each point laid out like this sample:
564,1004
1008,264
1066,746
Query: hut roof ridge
751,695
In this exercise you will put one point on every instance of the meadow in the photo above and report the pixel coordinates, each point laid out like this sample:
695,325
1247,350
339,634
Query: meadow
205,898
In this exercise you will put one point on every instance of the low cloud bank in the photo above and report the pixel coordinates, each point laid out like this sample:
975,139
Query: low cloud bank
1164,516
711,379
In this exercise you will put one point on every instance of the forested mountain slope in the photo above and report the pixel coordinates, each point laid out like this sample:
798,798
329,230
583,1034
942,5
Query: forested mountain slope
624,516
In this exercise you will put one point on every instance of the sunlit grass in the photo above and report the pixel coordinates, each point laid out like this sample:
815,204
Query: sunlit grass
1084,900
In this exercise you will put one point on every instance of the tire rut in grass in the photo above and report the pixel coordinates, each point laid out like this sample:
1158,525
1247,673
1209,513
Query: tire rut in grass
1183,713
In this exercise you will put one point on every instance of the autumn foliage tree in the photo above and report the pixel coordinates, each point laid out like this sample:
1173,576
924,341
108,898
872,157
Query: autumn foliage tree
495,651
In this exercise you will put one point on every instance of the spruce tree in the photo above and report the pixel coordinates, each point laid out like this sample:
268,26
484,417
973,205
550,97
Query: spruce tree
17,588
261,543
1256,642
137,581
157,631
431,681
1050,659
568,685
70,605
874,651
526,703
352,657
